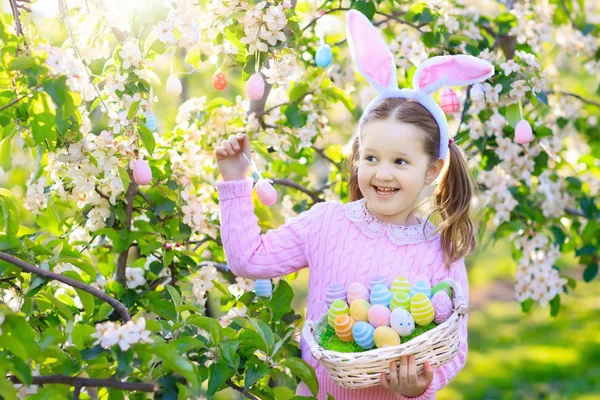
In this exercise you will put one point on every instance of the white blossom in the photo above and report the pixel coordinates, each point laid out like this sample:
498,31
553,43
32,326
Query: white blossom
135,277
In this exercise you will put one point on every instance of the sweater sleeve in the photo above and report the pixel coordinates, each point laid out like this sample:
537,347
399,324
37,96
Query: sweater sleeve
251,254
445,373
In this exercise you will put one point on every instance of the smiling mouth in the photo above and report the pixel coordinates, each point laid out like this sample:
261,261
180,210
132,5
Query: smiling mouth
385,191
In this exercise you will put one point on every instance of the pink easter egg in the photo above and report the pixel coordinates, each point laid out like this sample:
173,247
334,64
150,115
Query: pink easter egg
449,101
379,315
142,174
442,306
357,291
255,87
266,193
523,132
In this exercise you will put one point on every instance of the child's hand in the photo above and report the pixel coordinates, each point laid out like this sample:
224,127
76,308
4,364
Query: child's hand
229,157
404,380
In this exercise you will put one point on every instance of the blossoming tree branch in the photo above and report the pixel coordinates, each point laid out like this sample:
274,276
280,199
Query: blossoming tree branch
110,251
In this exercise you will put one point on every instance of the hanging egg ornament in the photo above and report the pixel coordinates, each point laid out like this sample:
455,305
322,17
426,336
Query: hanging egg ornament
421,309
442,286
523,132
337,308
402,322
142,174
266,192
385,336
379,315
263,287
449,101
343,327
151,122
400,300
219,81
174,86
357,291
323,56
442,307
380,294
376,280
255,88
399,285
363,335
359,310
335,291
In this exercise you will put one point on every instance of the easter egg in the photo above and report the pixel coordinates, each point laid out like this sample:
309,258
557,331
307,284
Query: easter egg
265,192
421,286
379,315
343,327
263,287
442,286
335,291
523,132
376,280
449,101
323,56
380,294
255,88
385,336
174,86
142,174
359,310
151,122
442,306
219,81
357,291
337,308
363,335
421,309
401,284
401,300
402,322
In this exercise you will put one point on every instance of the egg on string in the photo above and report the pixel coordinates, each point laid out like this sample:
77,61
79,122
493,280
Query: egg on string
379,315
323,56
442,286
421,309
363,335
523,132
343,327
265,192
385,336
442,306
449,101
357,291
337,308
380,294
142,174
219,81
400,284
255,88
359,310
151,122
376,280
400,300
402,322
335,291
263,287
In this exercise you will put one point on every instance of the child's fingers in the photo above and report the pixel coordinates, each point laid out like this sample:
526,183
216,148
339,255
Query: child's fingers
403,380
412,370
234,143
227,146
221,153
384,381
428,371
394,374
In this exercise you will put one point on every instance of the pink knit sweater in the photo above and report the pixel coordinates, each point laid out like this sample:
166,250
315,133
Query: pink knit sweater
339,243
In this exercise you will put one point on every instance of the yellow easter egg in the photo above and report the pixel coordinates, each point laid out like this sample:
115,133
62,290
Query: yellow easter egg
385,336
337,308
359,310
400,285
343,327
421,309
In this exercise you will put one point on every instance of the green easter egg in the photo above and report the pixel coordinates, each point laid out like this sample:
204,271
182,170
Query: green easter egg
337,308
442,286
401,299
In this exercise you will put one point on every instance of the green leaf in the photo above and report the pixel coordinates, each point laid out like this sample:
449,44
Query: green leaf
218,372
10,213
590,272
253,373
81,335
43,124
21,370
147,138
264,331
513,115
295,117
5,154
587,249
304,371
11,342
164,308
210,325
281,300
526,305
542,97
555,305
340,95
135,106
21,63
174,294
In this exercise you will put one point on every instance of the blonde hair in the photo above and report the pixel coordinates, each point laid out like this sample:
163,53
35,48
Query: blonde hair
452,198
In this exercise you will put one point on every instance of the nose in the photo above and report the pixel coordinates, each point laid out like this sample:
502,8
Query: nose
384,173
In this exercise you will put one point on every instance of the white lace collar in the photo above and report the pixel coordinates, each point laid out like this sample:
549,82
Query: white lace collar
398,234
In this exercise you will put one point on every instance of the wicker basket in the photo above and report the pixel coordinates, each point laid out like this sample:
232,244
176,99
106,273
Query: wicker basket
359,370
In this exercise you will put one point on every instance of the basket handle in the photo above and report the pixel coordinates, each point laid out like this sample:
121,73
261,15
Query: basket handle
308,333
460,303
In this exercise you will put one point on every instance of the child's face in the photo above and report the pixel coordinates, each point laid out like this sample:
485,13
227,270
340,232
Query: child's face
392,156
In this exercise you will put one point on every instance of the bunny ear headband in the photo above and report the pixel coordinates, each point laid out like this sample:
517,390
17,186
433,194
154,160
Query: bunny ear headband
376,64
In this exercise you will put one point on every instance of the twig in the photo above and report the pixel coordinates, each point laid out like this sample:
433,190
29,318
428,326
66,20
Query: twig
77,391
574,211
89,382
204,240
465,108
145,197
314,195
590,102
401,21
220,266
564,6
122,261
241,390
102,194
15,101
325,156
117,305
14,286
16,15
298,100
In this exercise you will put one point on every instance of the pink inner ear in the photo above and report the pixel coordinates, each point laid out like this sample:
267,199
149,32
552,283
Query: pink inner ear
372,54
458,70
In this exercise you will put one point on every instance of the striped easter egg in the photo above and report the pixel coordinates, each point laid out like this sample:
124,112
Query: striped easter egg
376,280
421,309
337,308
442,306
357,291
380,294
343,327
400,300
401,284
359,310
385,336
334,292
263,287
421,286
363,335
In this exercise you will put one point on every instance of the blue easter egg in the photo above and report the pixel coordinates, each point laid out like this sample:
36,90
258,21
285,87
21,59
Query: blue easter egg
376,280
363,335
380,294
151,122
323,56
263,287
421,286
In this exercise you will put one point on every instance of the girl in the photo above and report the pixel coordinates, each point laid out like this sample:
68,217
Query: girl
401,147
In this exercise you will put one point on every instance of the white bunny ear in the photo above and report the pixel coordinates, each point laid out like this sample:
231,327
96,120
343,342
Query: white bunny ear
459,70
373,58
